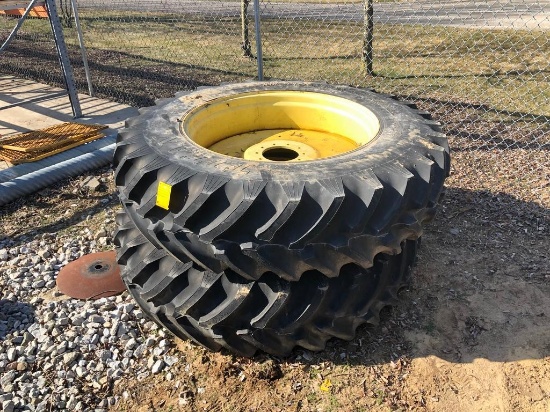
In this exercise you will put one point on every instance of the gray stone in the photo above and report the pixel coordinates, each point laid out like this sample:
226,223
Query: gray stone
159,351
114,327
31,349
61,348
140,351
128,307
96,319
47,366
117,373
157,367
105,355
12,354
131,344
91,183
70,358
8,406
56,332
122,330
170,360
94,339
44,253
41,382
18,339
16,274
8,387
71,403
7,378
81,371
34,393
27,338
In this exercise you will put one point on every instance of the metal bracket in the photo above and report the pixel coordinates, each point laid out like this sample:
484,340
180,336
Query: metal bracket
17,26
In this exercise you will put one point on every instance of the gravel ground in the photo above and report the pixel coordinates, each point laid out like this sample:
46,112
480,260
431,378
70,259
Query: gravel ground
58,353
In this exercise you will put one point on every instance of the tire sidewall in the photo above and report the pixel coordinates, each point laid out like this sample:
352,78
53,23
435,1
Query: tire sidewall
401,132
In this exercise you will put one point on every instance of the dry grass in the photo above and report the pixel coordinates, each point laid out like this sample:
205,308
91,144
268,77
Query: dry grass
504,69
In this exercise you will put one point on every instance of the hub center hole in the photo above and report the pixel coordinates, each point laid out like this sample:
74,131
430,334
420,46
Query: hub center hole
280,154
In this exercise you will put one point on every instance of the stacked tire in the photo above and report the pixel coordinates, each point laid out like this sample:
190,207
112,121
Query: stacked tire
291,250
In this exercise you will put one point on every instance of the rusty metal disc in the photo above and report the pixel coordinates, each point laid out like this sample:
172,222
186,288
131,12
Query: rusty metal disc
92,276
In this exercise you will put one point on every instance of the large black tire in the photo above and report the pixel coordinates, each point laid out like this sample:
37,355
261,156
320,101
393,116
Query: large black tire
225,310
283,218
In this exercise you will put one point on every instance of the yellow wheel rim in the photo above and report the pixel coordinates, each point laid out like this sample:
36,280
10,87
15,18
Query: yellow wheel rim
281,126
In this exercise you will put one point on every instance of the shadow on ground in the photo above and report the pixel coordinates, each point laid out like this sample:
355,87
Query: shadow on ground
14,316
480,289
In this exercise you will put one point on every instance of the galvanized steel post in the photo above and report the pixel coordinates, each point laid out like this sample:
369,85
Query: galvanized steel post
82,48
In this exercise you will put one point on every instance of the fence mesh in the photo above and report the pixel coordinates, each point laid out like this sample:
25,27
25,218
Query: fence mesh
482,68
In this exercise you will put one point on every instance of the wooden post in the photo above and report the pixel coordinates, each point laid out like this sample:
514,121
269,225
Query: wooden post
66,13
245,45
368,29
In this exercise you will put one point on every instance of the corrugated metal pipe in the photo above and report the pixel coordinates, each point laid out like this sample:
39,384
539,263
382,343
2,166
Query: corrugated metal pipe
92,156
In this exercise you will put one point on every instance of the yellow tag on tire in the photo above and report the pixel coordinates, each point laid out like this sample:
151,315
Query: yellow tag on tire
163,195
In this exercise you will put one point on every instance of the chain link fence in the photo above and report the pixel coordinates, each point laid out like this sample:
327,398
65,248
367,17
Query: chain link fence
482,68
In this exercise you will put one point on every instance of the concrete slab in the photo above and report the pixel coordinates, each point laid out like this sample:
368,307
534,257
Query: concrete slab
26,105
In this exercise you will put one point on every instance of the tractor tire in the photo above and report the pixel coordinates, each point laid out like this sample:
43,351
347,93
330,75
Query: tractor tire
252,209
224,310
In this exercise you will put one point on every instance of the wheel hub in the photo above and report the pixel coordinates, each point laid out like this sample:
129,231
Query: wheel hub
281,126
